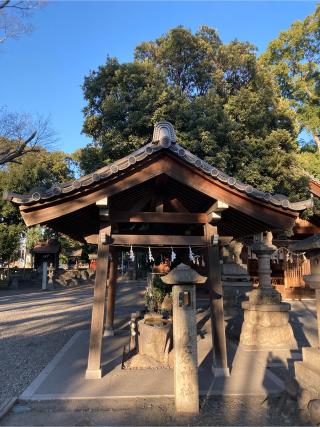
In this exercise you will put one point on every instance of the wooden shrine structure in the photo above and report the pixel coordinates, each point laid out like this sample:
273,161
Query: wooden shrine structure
160,194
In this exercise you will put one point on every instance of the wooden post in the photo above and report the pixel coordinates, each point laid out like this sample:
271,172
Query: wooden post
108,330
98,309
219,346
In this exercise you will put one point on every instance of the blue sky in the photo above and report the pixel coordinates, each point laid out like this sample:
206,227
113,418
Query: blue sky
42,72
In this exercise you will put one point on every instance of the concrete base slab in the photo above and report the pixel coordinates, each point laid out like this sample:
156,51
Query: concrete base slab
220,372
93,374
64,378
249,376
278,357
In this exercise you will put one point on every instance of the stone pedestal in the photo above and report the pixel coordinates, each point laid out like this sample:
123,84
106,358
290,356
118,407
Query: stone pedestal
308,371
266,319
308,375
266,322
186,383
234,274
233,271
154,339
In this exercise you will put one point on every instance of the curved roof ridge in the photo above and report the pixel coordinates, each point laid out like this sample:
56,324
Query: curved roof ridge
144,152
275,199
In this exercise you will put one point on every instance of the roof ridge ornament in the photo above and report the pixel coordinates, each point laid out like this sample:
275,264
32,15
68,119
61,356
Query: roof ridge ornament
164,134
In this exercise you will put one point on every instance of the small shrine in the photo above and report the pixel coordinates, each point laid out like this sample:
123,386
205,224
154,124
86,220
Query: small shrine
164,199
46,252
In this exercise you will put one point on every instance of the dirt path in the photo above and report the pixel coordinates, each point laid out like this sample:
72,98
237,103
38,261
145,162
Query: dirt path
35,326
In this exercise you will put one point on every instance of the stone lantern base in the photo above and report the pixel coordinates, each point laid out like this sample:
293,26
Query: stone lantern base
308,375
266,321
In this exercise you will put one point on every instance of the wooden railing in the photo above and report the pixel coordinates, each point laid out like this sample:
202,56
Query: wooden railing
294,272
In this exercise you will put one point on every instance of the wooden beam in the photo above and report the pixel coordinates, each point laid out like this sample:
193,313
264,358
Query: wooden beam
103,203
314,186
164,240
37,214
177,205
99,298
216,304
305,227
213,217
159,206
159,217
92,239
140,204
218,206
272,215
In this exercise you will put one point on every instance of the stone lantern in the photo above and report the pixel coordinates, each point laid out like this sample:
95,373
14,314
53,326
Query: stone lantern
186,384
266,318
308,371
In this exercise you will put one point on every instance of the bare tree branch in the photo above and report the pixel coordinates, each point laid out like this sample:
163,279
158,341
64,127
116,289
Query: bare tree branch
4,4
20,134
14,17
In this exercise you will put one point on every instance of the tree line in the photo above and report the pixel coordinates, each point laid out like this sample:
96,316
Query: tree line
240,111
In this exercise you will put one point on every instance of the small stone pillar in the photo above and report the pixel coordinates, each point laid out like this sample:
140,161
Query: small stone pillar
308,371
266,318
51,276
186,384
44,275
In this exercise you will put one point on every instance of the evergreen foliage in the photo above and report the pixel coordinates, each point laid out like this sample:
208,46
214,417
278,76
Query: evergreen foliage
294,57
36,171
224,103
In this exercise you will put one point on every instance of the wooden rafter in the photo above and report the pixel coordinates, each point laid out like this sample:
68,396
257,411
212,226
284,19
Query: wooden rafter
159,217
177,205
151,239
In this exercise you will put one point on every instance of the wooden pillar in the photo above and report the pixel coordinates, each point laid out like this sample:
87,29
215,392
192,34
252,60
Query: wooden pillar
98,309
108,330
220,362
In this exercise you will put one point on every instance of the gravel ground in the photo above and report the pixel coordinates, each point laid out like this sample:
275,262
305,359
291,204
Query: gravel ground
33,328
233,411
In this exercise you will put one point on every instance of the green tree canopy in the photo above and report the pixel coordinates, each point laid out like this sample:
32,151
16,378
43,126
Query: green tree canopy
41,170
10,236
295,60
224,104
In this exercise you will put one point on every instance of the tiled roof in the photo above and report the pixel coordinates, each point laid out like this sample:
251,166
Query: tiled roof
163,139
